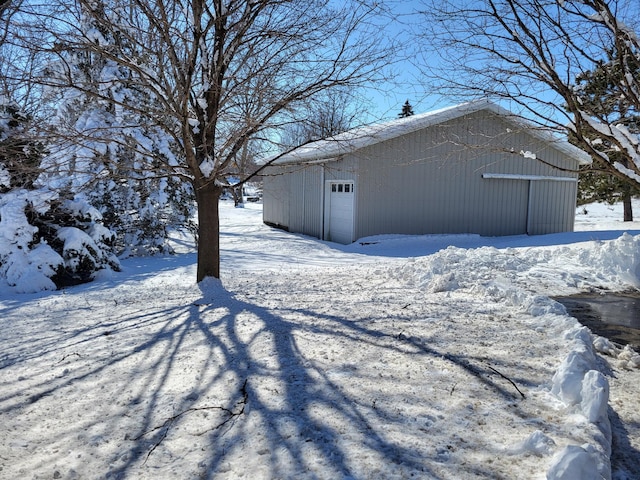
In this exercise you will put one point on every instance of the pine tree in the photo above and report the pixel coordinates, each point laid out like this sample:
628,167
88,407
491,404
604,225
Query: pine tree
407,110
123,173
19,156
599,94
47,239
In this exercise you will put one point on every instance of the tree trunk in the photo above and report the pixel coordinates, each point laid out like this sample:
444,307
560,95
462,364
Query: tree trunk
238,200
628,211
207,198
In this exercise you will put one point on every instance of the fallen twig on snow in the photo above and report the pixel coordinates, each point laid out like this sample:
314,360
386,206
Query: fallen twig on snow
169,421
508,379
69,355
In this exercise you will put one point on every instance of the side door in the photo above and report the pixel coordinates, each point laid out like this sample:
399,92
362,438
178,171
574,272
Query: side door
339,211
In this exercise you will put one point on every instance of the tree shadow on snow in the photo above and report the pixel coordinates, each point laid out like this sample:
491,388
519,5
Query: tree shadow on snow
278,399
228,383
291,436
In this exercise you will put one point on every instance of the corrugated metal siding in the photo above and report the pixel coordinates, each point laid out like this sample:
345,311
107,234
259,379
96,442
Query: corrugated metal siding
313,201
543,219
431,181
500,208
305,199
292,198
296,199
275,197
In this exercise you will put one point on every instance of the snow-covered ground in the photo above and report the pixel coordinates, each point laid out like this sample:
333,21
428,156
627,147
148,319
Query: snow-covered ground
435,357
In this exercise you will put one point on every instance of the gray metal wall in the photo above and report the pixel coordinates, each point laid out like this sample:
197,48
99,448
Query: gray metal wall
305,201
275,197
542,218
431,181
292,198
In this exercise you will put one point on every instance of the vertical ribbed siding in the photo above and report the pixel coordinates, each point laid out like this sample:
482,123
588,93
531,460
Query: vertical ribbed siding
430,181
312,194
544,220
275,197
303,197
296,201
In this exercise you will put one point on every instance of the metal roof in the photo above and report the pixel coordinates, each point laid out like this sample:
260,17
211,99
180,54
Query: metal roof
358,138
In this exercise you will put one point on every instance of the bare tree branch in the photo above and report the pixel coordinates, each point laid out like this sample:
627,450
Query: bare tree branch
530,54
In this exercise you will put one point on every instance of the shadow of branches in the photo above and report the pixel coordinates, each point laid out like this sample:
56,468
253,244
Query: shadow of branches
221,386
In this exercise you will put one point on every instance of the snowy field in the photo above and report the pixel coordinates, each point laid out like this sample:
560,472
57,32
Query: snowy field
433,357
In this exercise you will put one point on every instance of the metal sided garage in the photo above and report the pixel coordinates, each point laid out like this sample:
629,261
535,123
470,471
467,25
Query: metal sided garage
473,168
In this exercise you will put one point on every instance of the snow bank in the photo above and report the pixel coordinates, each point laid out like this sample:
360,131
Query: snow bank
577,382
611,264
618,259
575,463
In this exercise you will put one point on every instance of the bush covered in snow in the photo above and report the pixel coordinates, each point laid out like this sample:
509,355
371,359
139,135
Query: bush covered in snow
47,240
48,243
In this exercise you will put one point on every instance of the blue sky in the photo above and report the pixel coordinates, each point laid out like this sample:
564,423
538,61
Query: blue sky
409,82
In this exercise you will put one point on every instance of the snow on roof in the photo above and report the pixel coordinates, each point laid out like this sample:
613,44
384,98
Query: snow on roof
358,138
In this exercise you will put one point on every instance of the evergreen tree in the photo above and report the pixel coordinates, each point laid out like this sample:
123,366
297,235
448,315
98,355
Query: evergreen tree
47,239
126,172
600,96
407,110
19,156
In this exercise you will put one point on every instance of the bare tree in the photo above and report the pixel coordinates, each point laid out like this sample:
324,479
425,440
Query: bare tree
198,60
7,9
532,54
333,112
5,5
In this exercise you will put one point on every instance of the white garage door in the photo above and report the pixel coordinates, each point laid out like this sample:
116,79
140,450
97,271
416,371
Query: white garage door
339,212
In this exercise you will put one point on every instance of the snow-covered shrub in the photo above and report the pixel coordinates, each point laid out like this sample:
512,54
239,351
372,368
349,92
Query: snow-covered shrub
46,241
26,263
74,230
